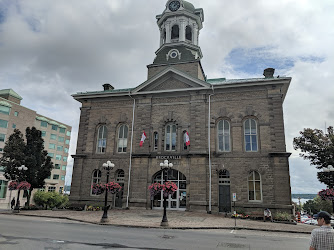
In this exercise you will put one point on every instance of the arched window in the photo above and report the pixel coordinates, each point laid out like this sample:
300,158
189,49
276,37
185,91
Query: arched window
156,140
102,139
189,35
224,140
120,176
250,129
175,32
96,178
254,186
224,177
122,138
170,141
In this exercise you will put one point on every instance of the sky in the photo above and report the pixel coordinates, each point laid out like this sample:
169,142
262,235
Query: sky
50,50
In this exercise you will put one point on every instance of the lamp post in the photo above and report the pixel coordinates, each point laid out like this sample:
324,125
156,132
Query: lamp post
330,172
17,207
164,167
107,166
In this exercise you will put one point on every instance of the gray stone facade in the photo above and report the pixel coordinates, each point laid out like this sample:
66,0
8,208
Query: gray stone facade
178,94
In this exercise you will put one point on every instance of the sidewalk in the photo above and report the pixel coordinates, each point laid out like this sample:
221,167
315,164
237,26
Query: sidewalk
177,220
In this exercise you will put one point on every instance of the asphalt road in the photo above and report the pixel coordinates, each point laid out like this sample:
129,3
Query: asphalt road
21,232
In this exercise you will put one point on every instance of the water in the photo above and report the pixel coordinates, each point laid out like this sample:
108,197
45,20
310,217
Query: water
302,201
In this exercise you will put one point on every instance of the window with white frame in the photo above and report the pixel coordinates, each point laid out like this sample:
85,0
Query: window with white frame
224,136
254,186
96,178
122,138
170,138
102,139
156,140
51,189
250,130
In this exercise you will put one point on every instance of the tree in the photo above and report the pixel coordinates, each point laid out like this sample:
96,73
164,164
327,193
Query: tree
31,154
318,147
37,161
316,205
13,156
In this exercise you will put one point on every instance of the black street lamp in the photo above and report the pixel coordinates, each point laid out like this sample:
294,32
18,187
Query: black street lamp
107,166
17,207
164,167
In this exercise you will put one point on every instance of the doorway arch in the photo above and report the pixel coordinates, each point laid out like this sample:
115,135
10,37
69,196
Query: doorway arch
178,200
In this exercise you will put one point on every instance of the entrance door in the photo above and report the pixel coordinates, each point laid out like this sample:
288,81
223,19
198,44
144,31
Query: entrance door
178,200
224,199
119,196
224,191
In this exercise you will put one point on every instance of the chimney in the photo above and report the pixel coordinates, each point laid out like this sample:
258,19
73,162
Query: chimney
269,73
107,86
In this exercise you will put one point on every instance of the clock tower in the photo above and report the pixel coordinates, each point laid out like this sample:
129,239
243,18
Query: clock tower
179,27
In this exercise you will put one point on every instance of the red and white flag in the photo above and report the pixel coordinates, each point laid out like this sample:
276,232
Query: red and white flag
187,139
143,137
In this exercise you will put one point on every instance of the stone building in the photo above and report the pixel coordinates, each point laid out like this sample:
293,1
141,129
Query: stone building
56,137
235,128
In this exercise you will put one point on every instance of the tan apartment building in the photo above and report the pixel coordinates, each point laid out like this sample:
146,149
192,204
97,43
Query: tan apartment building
56,137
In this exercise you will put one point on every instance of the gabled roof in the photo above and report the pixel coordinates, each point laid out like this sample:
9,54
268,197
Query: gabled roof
11,93
188,82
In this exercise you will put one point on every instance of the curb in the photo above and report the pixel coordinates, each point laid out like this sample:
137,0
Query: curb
164,228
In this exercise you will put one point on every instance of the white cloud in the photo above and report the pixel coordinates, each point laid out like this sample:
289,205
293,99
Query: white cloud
52,49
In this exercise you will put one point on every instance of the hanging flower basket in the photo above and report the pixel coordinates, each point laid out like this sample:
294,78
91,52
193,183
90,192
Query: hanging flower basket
23,185
327,194
12,185
155,188
169,188
98,189
113,187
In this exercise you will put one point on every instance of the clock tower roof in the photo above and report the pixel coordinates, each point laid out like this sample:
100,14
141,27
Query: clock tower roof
179,25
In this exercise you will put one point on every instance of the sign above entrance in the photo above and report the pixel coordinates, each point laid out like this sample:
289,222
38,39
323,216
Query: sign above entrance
168,157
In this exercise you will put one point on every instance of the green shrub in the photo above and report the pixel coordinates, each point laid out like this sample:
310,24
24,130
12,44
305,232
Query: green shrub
50,199
282,216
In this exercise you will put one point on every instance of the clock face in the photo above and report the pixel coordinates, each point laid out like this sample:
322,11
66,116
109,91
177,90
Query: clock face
174,5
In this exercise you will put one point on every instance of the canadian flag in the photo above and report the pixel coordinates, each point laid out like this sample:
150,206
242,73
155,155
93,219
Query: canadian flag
187,139
143,137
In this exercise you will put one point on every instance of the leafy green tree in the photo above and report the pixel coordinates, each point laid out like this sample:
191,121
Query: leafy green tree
316,205
31,154
37,161
316,146
13,156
